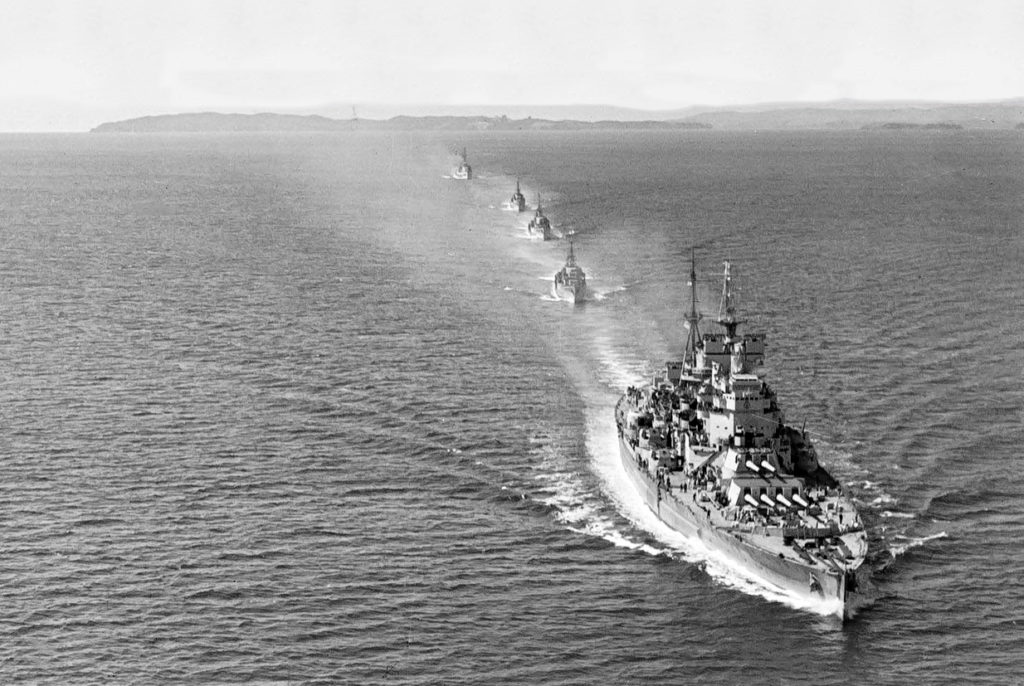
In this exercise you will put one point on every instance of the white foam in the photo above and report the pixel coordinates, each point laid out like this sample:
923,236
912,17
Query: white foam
899,548
523,232
883,499
569,301
602,293
582,511
614,370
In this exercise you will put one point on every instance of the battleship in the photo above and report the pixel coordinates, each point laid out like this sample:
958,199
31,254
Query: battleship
540,225
708,449
463,172
517,203
570,280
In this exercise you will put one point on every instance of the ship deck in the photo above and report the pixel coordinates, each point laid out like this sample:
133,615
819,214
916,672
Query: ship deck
768,538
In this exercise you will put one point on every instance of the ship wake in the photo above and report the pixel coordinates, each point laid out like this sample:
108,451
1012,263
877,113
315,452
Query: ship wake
901,544
604,293
584,512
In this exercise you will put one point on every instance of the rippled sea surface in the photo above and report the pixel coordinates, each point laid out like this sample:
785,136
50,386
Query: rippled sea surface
301,409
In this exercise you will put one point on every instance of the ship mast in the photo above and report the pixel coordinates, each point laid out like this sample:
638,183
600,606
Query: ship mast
727,309
693,338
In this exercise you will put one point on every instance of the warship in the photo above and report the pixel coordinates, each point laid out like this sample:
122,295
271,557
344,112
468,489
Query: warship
517,203
570,280
540,225
708,449
463,172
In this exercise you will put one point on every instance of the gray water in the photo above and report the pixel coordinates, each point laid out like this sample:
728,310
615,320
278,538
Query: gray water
301,409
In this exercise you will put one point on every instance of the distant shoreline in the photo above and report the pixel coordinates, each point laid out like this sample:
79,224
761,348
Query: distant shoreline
991,116
269,122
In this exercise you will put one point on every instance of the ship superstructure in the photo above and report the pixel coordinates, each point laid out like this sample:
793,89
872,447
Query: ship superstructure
708,448
463,172
517,203
540,225
570,280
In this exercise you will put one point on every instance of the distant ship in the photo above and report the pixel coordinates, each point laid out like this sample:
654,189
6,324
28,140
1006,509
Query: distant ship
517,203
570,280
540,225
707,447
463,171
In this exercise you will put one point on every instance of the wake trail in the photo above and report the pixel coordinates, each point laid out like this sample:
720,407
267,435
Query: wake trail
599,511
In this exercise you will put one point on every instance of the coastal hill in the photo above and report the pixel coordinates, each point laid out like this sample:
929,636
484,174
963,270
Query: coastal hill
842,115
216,122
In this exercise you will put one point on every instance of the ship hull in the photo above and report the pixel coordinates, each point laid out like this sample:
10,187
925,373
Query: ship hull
570,294
682,512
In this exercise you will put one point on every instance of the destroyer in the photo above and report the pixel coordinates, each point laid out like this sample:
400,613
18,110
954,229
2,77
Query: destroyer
517,203
570,280
463,172
707,447
540,225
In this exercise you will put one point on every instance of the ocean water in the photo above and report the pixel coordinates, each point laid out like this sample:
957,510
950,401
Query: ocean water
302,409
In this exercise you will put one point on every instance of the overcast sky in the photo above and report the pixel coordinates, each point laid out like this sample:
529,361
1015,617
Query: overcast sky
70,64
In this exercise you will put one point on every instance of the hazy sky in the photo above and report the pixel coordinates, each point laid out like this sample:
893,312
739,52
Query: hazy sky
71,64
